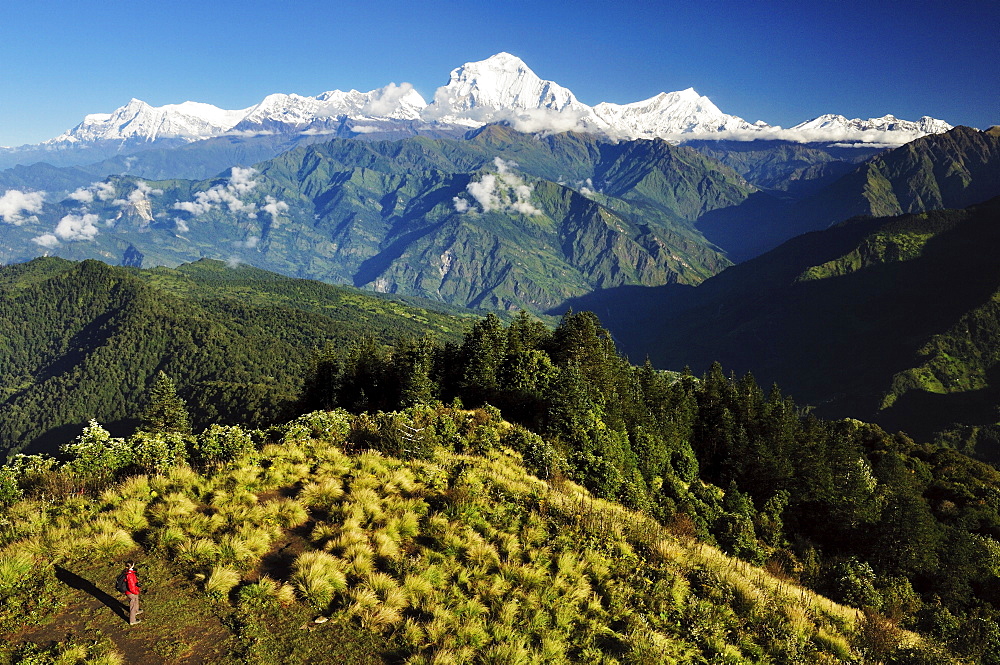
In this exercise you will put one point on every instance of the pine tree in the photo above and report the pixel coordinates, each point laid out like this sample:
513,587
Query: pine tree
166,412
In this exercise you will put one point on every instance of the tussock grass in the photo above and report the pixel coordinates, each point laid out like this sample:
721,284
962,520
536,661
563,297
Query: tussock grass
323,495
131,514
465,559
287,513
201,552
221,581
112,545
318,576
15,569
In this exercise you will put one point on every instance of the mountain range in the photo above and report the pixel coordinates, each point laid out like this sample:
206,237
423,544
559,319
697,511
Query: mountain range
501,88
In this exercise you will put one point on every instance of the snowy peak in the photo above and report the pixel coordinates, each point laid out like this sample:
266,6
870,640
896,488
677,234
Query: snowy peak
671,115
492,89
888,128
501,88
139,120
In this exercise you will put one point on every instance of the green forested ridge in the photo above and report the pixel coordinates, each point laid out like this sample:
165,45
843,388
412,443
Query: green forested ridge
906,532
497,220
85,340
871,518
798,168
887,319
955,169
313,547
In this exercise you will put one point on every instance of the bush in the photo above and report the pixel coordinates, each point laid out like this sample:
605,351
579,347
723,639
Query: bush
538,455
220,444
158,452
95,455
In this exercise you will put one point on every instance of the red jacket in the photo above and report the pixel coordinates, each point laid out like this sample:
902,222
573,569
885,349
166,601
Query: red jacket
131,582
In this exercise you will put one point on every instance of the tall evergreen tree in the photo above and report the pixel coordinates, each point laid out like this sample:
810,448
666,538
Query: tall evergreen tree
166,411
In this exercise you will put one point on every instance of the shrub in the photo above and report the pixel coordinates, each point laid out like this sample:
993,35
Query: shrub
95,455
158,452
220,444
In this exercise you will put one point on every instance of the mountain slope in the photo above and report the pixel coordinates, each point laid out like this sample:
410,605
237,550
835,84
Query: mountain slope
955,169
874,318
84,341
498,219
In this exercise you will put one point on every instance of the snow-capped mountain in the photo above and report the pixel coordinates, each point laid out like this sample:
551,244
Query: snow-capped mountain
671,115
297,112
139,120
500,88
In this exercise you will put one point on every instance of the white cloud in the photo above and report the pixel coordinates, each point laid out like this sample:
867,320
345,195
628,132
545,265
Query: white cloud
365,129
250,243
234,261
101,191
77,227
17,206
274,207
142,192
484,192
504,192
46,240
240,184
845,136
182,226
544,120
387,100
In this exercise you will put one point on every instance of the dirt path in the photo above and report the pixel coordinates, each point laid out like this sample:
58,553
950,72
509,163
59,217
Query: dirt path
178,624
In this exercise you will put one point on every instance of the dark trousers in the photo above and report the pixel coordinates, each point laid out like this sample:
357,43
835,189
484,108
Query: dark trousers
133,607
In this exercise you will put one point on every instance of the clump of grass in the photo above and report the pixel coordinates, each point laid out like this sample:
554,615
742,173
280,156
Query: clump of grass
322,495
15,569
198,552
258,539
234,550
112,545
288,513
386,546
221,581
168,539
131,514
319,576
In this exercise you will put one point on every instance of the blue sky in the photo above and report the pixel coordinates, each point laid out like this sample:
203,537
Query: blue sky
781,62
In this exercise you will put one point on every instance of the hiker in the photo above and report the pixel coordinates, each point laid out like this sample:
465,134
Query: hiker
132,593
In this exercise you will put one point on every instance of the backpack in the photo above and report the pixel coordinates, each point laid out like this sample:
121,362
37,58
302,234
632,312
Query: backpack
120,584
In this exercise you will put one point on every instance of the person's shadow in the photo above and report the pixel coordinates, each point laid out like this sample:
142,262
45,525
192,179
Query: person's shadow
75,581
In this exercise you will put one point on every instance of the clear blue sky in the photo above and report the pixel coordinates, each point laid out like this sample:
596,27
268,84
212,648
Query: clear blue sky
781,62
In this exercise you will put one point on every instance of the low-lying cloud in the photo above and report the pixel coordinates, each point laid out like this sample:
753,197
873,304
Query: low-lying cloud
503,191
77,227
17,207
98,191
240,184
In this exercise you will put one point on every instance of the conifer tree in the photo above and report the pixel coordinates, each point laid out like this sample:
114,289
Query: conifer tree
166,412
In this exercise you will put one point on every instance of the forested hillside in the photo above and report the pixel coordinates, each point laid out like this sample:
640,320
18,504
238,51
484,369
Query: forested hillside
888,319
906,532
956,169
497,220
85,340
